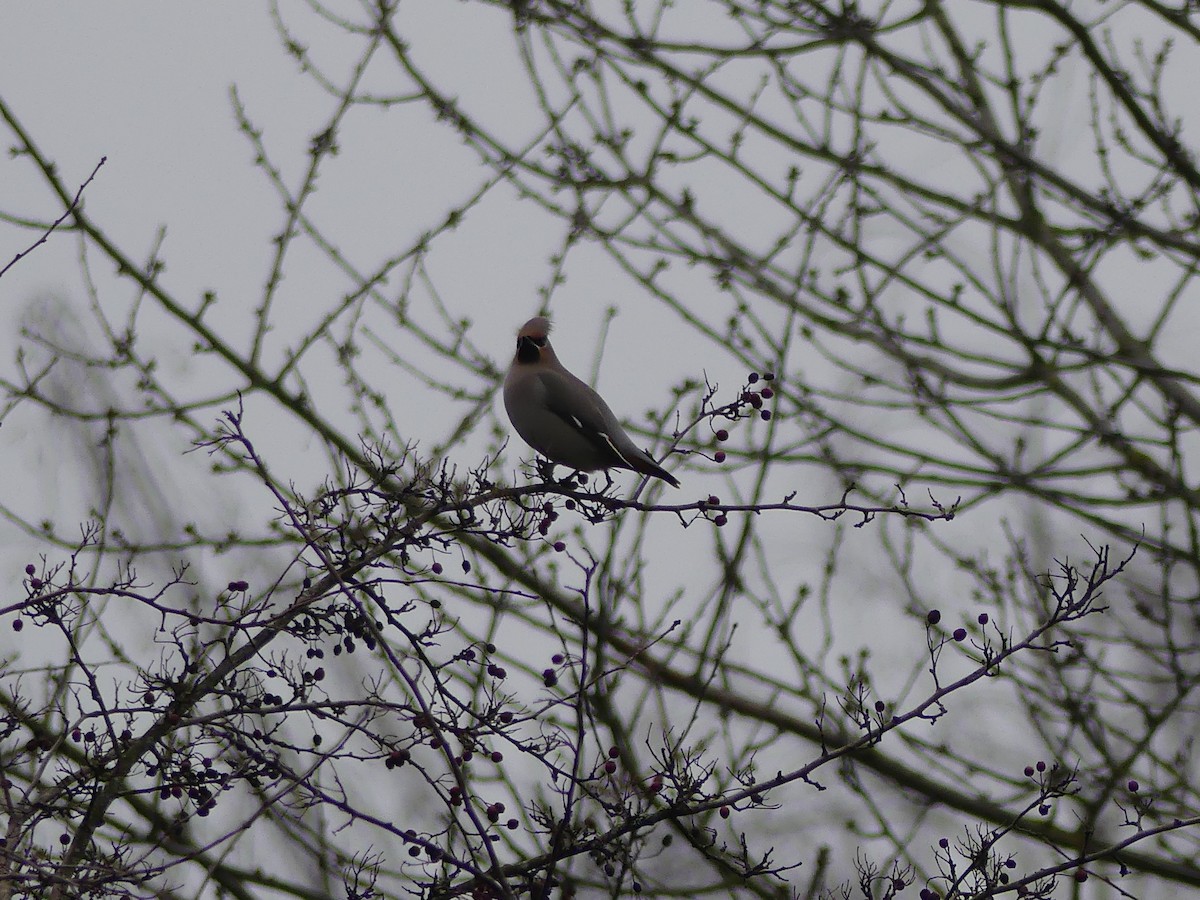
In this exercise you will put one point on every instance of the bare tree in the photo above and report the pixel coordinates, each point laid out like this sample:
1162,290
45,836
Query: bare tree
951,246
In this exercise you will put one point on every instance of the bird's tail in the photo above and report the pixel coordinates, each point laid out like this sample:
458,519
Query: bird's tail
648,466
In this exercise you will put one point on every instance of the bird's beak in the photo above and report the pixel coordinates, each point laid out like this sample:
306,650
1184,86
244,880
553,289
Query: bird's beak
528,349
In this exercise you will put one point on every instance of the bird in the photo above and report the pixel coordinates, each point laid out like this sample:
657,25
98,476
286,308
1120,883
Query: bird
562,418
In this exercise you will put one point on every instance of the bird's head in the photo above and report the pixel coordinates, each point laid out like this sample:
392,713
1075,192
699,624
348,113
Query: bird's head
533,341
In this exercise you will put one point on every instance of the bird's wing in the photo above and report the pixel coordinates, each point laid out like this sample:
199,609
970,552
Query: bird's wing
585,411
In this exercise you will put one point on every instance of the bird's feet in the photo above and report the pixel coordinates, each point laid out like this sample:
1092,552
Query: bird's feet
545,471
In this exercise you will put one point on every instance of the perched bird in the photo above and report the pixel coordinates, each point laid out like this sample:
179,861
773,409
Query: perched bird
561,417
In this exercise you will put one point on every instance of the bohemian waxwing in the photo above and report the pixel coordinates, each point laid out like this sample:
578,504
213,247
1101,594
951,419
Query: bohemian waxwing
561,417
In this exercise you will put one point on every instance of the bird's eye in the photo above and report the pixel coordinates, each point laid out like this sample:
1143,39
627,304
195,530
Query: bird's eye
540,341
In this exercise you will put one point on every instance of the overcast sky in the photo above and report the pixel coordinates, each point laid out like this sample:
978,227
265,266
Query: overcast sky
147,87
